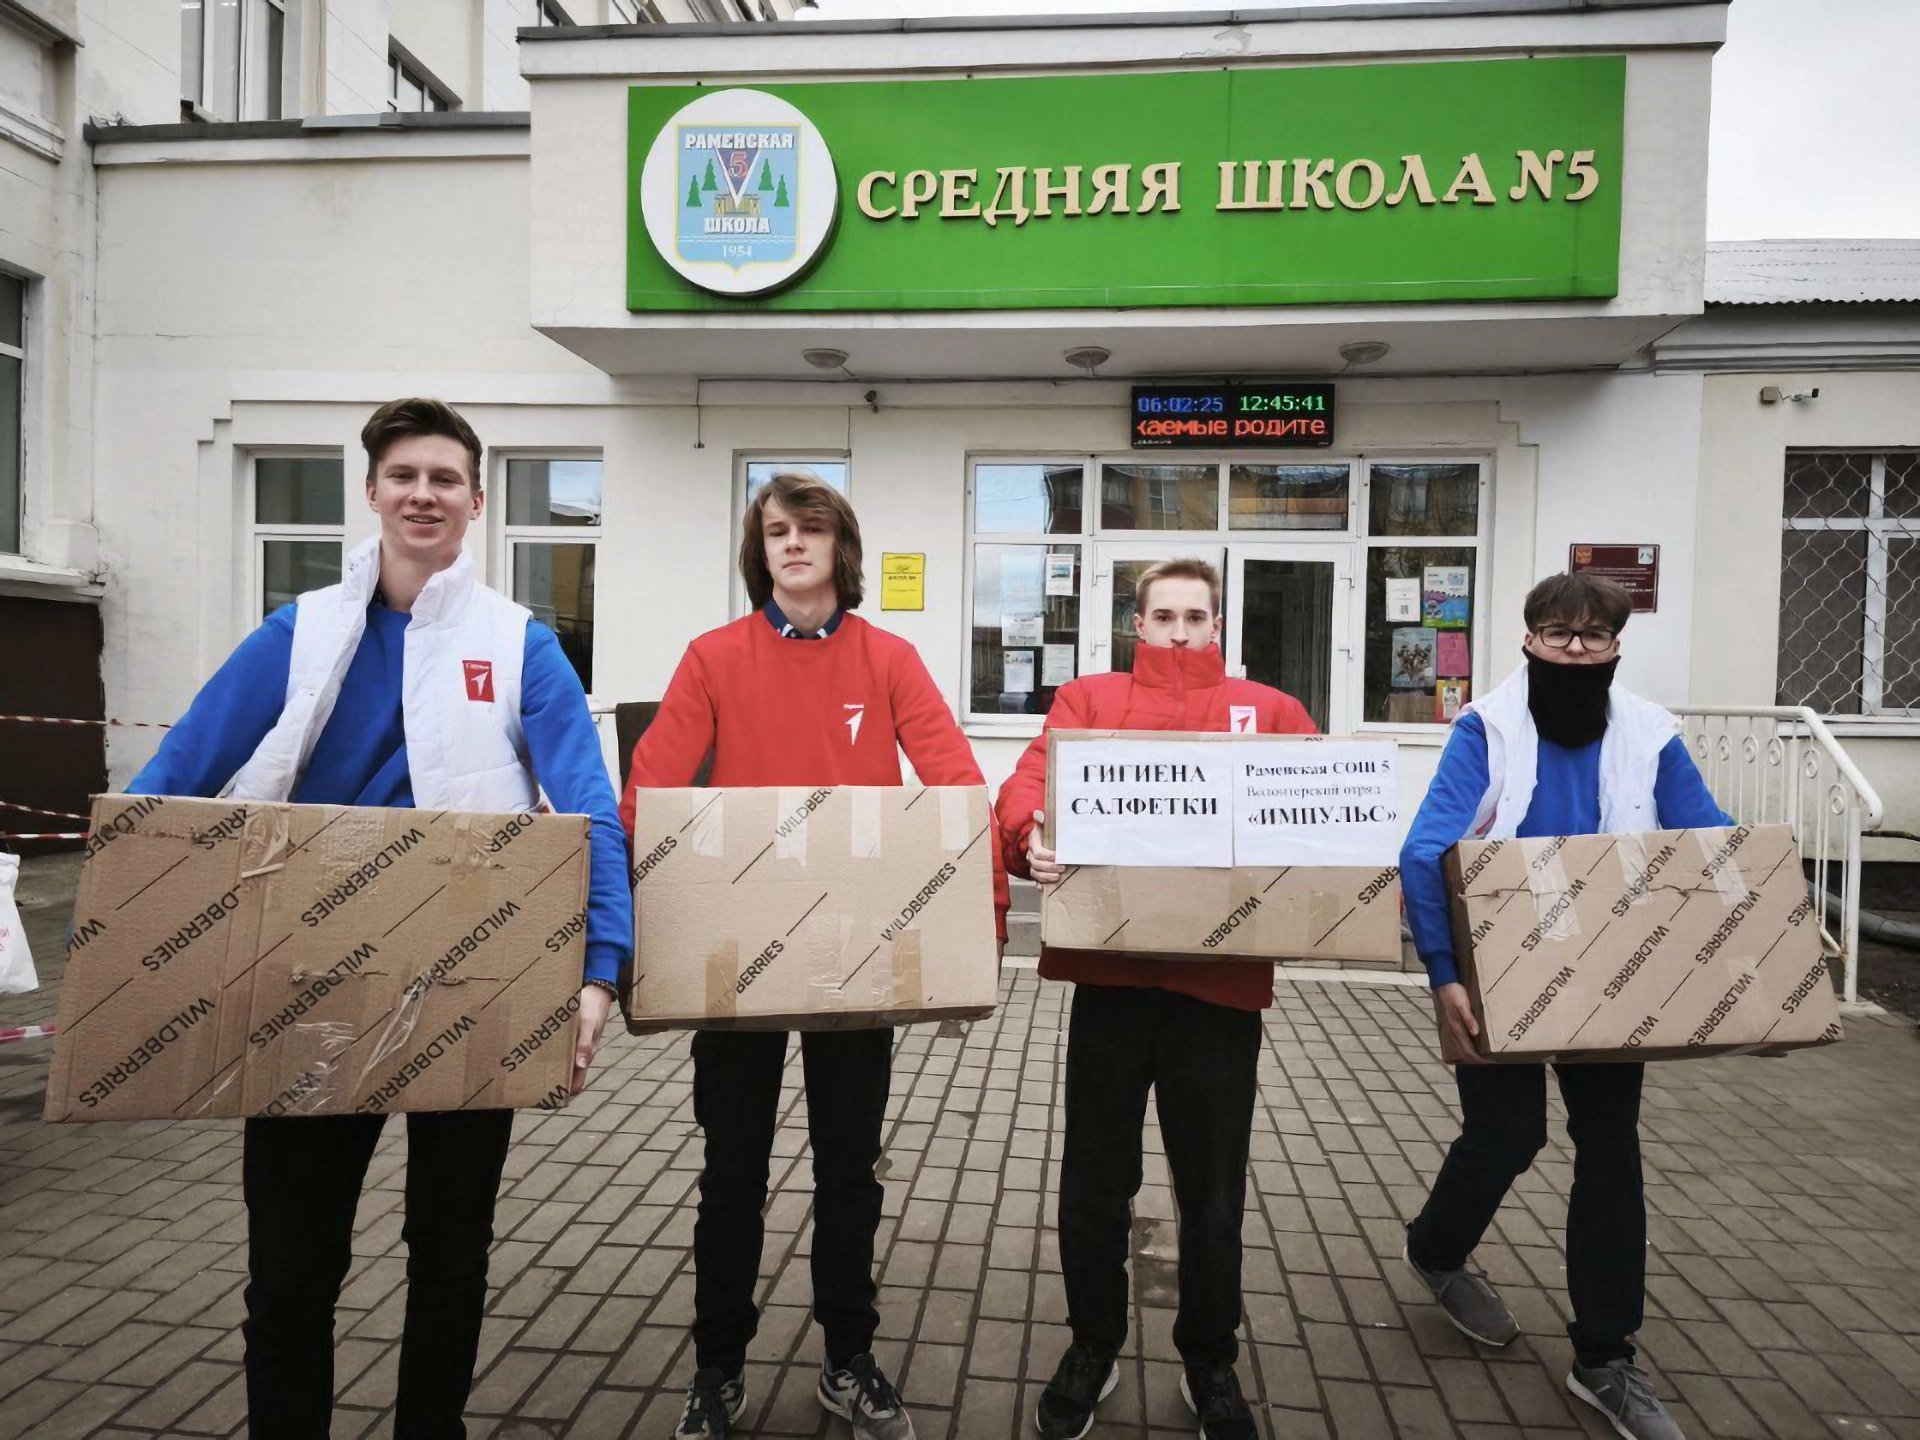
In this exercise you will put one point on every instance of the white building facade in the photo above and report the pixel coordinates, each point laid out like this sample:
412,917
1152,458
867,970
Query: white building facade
1557,391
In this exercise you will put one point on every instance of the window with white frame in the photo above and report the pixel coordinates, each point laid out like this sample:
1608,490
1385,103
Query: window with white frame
552,533
233,58
297,522
13,378
753,471
1424,522
410,89
1323,559
1850,582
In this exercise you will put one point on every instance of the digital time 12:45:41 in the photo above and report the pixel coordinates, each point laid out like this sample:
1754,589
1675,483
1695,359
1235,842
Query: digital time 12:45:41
1280,402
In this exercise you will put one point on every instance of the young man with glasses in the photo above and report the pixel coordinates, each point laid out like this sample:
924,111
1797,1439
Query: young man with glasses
1558,749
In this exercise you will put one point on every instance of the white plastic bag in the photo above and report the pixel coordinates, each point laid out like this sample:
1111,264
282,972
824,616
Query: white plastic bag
16,961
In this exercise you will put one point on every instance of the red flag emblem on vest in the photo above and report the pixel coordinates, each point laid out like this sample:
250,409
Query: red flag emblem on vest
479,680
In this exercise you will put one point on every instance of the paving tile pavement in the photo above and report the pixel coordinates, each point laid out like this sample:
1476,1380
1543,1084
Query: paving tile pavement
1784,1292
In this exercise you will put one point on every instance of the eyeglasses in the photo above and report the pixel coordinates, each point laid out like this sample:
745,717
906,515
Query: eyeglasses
1593,637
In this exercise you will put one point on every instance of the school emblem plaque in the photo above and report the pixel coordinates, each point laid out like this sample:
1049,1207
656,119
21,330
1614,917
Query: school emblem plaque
739,192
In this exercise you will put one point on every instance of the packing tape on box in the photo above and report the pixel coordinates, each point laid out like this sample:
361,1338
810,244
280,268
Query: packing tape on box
866,823
1724,868
956,818
790,832
706,832
723,978
908,991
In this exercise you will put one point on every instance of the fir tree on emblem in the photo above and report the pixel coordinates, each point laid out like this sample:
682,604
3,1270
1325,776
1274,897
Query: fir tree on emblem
712,181
780,198
693,194
766,176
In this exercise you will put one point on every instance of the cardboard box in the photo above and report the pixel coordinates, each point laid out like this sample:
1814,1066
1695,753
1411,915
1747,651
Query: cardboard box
835,907
256,959
1347,913
1661,946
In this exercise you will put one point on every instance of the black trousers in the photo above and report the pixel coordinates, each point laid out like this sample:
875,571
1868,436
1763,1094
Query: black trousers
302,1178
1504,1124
1202,1063
736,1097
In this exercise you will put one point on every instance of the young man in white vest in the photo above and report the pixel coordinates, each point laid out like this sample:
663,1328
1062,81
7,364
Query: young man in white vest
1558,749
318,706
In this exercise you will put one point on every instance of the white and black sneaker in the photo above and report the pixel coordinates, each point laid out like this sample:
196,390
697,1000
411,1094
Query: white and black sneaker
1086,1376
714,1403
863,1397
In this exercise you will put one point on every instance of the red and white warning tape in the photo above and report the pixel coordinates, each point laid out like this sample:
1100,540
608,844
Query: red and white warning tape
36,810
28,1032
113,724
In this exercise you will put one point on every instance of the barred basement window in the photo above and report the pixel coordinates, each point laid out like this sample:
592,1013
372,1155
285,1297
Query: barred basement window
1850,582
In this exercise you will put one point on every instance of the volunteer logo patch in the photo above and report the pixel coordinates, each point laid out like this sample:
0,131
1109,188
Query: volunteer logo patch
1242,719
479,680
855,714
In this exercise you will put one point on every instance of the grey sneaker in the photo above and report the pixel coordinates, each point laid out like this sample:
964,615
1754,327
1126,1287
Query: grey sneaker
713,1405
1621,1391
866,1400
1468,1299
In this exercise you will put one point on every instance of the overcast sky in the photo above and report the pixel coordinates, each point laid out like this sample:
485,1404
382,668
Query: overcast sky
1816,116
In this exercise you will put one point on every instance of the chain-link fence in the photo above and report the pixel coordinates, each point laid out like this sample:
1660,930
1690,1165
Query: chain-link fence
1850,582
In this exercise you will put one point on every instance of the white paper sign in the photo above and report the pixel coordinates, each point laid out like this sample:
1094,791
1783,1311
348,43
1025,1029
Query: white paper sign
1056,664
1331,802
1017,672
1059,574
1403,600
1020,583
1021,629
1143,802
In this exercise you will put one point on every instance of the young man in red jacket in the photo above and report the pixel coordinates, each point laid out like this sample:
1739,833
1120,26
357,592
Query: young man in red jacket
1188,1029
802,692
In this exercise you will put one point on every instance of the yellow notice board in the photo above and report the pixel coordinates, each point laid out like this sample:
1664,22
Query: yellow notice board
903,582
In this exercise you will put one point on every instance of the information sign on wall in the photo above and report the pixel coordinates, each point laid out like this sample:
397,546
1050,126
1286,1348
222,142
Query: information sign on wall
1634,568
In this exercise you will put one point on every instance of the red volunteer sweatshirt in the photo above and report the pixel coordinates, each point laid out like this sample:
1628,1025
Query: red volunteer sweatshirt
774,711
1168,690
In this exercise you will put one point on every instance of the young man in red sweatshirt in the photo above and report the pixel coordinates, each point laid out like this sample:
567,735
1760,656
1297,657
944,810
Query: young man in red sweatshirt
802,692
1189,1030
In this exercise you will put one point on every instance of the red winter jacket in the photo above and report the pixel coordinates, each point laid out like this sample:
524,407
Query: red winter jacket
1169,689
835,711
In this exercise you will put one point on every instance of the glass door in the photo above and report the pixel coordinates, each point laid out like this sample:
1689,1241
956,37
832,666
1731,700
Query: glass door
1286,624
1116,570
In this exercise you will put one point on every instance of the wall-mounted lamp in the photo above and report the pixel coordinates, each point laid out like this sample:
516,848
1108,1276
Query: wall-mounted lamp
1087,357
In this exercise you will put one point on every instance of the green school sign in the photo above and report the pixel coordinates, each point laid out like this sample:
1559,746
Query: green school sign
1472,180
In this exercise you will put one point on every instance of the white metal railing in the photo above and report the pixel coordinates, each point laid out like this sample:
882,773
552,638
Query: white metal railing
1779,764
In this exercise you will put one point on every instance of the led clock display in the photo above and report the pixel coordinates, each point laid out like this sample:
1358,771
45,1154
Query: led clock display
1283,415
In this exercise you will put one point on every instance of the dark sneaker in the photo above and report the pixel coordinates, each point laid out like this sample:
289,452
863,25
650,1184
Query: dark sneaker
1086,1376
1622,1392
714,1403
866,1400
1213,1393
1468,1299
